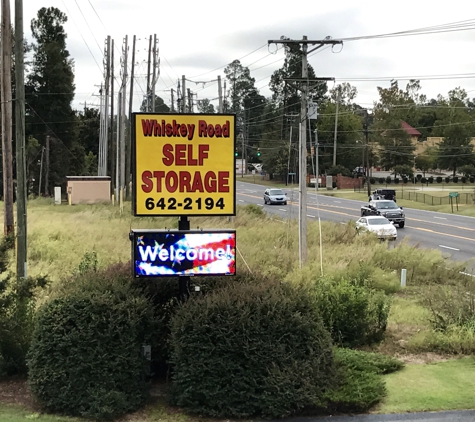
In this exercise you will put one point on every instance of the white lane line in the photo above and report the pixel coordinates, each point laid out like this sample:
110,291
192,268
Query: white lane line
311,216
337,202
441,218
241,200
281,209
260,205
448,247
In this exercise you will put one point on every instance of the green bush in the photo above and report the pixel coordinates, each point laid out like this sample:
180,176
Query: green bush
388,180
396,180
463,179
354,314
250,350
447,179
423,180
430,179
381,180
472,179
439,179
360,383
17,308
455,179
86,353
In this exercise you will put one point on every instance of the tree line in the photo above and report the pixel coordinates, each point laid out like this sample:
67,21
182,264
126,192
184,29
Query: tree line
70,138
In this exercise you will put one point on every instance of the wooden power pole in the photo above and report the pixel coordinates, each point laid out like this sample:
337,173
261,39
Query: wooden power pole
20,142
301,46
6,99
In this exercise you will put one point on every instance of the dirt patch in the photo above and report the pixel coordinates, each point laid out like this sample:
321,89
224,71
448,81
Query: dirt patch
16,391
421,358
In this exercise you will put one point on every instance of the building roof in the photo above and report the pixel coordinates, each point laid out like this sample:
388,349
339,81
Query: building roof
409,129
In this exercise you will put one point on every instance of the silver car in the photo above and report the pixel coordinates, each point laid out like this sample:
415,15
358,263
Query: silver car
275,196
381,226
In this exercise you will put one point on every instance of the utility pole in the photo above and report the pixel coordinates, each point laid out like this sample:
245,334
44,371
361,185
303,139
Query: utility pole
366,132
41,170
183,94
122,122
128,172
148,73
156,70
336,126
47,166
7,109
21,261
302,47
220,95
172,99
112,143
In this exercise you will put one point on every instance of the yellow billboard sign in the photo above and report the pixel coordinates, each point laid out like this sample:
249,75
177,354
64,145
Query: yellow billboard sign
183,164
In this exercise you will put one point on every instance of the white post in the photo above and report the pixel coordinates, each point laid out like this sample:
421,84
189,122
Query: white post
403,277
57,195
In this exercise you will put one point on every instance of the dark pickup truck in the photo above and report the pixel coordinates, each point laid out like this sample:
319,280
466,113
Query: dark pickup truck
389,194
389,209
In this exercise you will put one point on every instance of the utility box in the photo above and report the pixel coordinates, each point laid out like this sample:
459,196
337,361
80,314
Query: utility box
329,183
89,189
57,195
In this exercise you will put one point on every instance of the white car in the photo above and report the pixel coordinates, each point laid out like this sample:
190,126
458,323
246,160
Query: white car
275,196
379,225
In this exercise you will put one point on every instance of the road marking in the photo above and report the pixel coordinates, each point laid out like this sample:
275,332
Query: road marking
311,216
241,200
260,205
448,247
337,202
281,209
441,218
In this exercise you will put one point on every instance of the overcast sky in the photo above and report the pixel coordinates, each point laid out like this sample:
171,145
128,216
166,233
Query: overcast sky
198,39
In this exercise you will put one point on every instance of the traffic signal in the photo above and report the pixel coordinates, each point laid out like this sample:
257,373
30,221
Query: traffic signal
258,152
236,153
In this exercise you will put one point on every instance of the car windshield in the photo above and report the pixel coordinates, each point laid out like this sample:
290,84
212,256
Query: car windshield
386,205
378,221
276,192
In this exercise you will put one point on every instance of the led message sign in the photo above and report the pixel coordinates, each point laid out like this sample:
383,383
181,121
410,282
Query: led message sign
157,253
183,164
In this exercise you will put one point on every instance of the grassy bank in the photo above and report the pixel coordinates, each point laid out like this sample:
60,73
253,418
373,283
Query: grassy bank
61,238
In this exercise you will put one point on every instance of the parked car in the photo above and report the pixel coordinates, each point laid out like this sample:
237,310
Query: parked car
275,196
389,209
389,194
381,226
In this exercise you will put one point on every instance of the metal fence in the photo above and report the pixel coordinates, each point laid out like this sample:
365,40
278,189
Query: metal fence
463,198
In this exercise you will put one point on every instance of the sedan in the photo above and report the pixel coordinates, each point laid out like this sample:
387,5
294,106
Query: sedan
381,226
275,196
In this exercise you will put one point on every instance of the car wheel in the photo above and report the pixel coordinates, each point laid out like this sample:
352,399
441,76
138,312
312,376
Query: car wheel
265,201
401,225
285,203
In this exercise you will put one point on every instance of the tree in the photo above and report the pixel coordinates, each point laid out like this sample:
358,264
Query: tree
205,106
160,106
49,92
456,125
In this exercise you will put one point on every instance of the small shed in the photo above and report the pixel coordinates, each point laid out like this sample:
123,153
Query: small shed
89,189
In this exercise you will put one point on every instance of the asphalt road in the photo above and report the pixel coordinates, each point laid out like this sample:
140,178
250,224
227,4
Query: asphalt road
453,416
453,235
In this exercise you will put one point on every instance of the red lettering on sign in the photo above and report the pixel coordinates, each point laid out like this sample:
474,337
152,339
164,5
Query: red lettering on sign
171,181
210,181
148,184
223,181
159,175
168,154
185,181
180,155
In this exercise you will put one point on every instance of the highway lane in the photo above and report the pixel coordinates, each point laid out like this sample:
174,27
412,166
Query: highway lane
453,235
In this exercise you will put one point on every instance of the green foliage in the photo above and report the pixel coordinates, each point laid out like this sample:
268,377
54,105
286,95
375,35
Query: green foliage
439,179
17,300
354,314
85,357
360,384
254,209
250,350
88,263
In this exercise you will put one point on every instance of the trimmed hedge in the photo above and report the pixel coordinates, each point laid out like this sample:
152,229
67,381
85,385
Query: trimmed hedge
85,358
250,350
354,314
360,383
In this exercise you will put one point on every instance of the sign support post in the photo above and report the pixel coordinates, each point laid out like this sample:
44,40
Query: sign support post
184,282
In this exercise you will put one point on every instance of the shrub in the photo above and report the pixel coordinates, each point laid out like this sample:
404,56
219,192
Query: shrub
472,179
381,180
431,179
388,180
396,180
372,180
361,386
447,179
17,308
455,179
353,314
85,358
439,179
423,180
463,179
419,177
405,180
250,350
254,209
